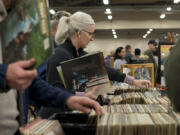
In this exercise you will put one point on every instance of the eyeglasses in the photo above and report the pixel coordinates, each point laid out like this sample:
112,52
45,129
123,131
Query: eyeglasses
89,33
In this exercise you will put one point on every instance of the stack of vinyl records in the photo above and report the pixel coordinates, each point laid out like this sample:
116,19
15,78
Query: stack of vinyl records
135,108
42,127
133,111
126,87
137,98
118,91
137,124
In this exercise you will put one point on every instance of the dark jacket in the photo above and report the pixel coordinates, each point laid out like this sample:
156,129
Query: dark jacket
3,70
172,75
67,51
128,57
151,58
39,91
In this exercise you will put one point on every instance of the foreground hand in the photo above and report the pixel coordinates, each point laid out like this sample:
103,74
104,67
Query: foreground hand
142,83
83,104
18,77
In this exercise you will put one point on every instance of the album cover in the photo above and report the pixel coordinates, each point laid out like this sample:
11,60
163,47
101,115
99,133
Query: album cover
25,33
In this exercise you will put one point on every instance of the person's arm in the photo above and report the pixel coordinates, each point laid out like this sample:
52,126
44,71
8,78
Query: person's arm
115,75
47,95
3,71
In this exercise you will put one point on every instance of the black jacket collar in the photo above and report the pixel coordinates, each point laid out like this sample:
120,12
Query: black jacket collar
68,45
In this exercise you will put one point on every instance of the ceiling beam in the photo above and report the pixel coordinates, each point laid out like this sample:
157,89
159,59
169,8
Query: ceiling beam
88,3
147,8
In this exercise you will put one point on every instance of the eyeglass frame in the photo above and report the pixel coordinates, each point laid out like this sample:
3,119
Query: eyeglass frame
89,33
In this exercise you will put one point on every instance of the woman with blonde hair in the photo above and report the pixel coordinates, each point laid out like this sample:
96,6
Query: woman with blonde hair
73,35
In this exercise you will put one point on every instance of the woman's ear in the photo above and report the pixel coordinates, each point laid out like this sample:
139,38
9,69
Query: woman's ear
78,33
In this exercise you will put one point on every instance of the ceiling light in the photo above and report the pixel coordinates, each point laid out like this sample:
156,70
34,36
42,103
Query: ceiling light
162,16
106,2
176,1
168,8
113,30
150,29
145,36
115,36
52,11
109,17
114,33
148,32
108,11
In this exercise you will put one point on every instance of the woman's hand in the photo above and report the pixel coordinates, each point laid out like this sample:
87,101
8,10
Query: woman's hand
142,83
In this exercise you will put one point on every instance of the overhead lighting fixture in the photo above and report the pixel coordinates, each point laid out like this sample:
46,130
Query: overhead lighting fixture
113,30
52,11
108,11
148,32
115,36
176,1
150,29
109,17
114,33
106,2
145,36
162,16
169,9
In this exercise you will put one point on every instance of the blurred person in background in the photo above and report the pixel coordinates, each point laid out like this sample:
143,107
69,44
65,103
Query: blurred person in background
129,55
119,58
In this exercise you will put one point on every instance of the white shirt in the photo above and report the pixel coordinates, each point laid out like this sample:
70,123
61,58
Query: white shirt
118,63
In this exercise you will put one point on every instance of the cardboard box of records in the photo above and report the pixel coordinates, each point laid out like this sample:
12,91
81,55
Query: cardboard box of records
42,127
139,71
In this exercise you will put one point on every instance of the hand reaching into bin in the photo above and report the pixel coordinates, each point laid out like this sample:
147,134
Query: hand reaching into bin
83,104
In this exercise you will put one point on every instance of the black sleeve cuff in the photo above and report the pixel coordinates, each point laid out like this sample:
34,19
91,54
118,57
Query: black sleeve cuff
115,75
3,71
